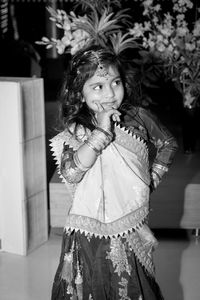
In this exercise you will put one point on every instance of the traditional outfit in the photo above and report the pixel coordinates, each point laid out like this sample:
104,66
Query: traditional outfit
107,245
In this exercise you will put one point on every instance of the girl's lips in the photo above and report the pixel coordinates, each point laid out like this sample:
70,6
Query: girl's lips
109,104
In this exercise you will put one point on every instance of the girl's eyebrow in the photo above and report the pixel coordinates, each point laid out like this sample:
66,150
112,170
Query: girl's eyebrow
96,83
100,82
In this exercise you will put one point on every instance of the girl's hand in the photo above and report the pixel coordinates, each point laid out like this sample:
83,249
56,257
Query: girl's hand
105,115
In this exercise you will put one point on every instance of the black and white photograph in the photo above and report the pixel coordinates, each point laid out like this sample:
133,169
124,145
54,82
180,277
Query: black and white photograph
100,149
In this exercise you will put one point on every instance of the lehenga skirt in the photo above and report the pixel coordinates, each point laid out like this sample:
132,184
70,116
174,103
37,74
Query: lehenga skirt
93,268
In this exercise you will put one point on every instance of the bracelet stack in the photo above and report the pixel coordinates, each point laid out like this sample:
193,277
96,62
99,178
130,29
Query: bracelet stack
157,173
160,168
155,178
106,132
99,139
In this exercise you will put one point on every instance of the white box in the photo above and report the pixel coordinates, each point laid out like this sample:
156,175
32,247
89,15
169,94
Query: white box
23,186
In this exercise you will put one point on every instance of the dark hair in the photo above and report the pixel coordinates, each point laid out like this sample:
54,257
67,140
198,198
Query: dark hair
82,67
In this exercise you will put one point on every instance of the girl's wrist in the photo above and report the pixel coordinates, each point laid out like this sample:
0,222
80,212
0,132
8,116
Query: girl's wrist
99,139
107,132
93,147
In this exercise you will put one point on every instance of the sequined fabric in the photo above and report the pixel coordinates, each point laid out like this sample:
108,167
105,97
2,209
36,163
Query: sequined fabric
107,269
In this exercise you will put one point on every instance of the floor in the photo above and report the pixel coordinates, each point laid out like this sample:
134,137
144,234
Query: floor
177,258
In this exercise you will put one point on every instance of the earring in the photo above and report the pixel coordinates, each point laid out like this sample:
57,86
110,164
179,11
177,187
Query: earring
82,100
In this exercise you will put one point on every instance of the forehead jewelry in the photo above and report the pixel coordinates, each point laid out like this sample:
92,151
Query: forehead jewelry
101,70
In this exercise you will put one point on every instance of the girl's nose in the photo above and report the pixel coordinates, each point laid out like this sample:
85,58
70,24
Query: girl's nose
109,92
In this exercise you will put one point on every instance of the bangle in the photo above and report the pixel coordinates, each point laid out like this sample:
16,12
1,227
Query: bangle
99,139
106,132
91,146
160,167
155,180
78,163
157,175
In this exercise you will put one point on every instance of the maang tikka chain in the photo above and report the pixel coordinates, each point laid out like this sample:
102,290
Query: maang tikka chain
101,70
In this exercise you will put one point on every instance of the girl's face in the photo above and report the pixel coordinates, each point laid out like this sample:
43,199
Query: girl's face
106,91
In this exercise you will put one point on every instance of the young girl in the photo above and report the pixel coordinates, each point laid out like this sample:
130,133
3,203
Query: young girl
102,155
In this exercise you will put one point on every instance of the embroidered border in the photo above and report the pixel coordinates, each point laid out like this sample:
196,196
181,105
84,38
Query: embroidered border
143,250
119,227
131,141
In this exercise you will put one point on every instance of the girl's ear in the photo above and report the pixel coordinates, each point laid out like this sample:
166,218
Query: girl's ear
83,100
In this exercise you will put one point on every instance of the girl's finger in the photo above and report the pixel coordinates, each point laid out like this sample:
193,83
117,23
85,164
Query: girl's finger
99,106
102,108
116,118
113,112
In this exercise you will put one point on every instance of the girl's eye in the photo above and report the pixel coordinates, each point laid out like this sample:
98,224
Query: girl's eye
98,87
117,82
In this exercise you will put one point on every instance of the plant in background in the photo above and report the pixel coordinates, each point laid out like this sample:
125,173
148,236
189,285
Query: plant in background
97,26
97,5
167,34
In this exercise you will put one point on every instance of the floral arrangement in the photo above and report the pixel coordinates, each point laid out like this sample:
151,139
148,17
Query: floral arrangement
99,26
166,33
73,38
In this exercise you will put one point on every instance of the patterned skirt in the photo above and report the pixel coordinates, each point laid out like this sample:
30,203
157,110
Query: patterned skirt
94,268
